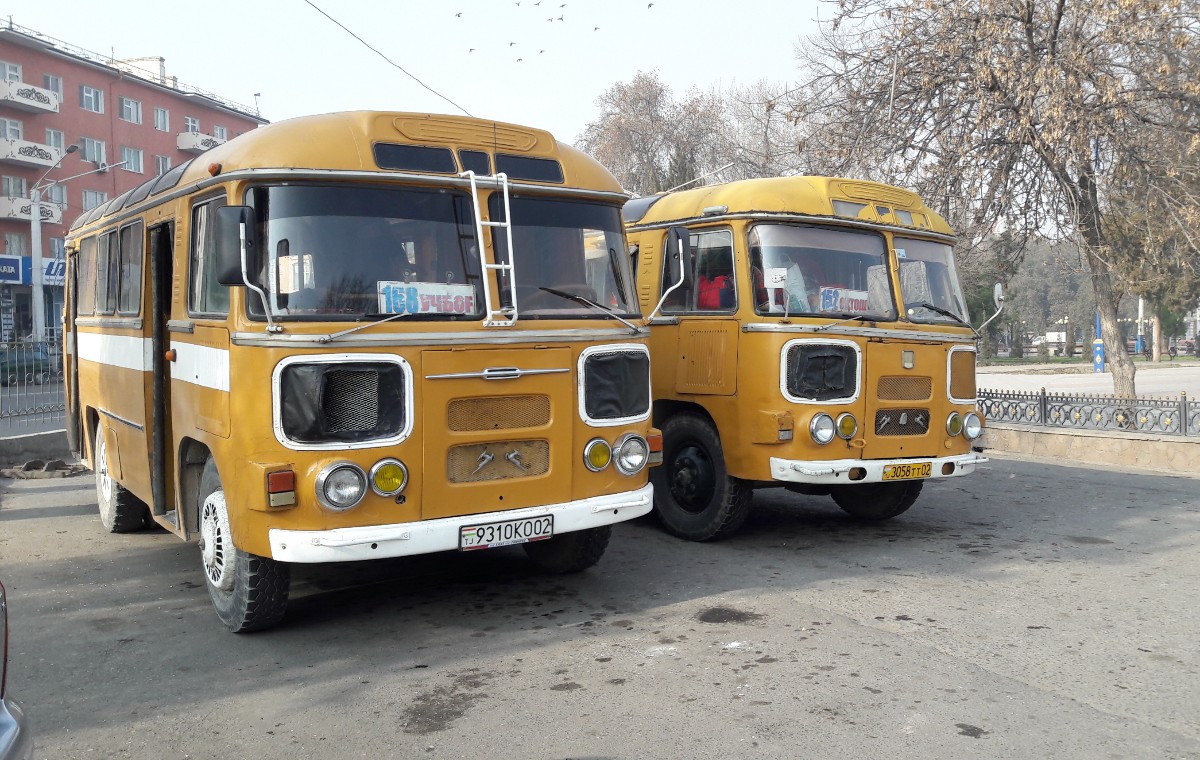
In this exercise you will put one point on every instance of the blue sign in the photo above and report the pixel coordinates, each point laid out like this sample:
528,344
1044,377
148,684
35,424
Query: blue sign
10,269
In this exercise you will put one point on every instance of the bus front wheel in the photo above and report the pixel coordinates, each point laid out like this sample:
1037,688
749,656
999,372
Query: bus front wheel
249,592
120,510
694,495
570,552
875,502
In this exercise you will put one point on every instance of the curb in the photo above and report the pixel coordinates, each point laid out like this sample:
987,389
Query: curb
1161,454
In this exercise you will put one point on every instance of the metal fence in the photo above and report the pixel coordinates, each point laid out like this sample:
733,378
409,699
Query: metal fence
1163,416
32,396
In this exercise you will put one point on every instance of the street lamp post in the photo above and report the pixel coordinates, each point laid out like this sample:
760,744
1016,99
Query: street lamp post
35,234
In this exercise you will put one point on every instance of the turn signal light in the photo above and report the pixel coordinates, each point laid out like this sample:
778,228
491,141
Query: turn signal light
281,488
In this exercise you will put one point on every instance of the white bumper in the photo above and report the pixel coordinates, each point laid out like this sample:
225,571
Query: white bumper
427,536
836,471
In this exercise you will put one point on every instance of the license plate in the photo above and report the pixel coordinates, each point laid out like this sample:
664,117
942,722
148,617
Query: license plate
491,535
907,471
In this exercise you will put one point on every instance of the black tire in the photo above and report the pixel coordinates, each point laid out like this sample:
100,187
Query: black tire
875,502
694,496
120,510
249,592
570,552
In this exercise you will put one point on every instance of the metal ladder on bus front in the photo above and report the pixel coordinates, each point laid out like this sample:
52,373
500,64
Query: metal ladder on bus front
504,316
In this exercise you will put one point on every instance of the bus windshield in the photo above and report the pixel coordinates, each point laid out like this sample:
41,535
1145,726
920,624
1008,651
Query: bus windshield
819,271
927,275
345,252
573,247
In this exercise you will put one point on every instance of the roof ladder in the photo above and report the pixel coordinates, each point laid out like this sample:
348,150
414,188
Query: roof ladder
504,316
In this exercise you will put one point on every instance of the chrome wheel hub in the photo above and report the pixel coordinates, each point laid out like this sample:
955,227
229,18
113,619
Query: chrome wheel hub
215,548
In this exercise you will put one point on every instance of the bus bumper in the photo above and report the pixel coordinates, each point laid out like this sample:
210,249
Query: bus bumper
837,471
427,536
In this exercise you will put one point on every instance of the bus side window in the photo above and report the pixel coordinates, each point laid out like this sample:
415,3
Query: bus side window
206,295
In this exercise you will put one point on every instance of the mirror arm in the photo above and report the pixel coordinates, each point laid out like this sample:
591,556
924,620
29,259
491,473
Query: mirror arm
271,326
989,319
673,288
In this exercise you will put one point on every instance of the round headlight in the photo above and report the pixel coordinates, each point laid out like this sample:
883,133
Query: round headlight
954,423
847,426
597,454
631,454
821,428
973,426
341,486
389,477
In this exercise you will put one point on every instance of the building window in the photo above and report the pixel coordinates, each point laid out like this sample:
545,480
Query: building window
219,133
10,72
57,193
93,198
162,164
10,129
162,120
91,99
58,248
13,186
53,84
55,139
132,158
93,150
191,124
14,243
131,110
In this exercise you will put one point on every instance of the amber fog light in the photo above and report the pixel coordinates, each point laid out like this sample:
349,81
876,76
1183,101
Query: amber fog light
597,454
847,426
389,477
341,486
954,423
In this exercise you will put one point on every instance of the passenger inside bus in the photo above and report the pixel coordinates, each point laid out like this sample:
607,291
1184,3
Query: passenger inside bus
714,279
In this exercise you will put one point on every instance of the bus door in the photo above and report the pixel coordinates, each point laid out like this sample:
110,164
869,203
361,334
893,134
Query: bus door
158,302
706,342
70,366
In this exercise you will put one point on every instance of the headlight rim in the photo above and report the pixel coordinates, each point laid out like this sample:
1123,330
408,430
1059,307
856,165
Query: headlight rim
587,459
951,420
375,468
978,425
812,428
837,426
323,478
619,446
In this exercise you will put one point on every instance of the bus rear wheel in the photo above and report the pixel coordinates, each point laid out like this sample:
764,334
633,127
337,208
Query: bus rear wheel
120,510
249,592
694,495
570,552
875,502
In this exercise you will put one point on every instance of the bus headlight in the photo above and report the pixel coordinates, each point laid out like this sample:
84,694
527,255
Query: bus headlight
341,486
847,426
597,454
389,477
821,428
954,423
631,454
973,426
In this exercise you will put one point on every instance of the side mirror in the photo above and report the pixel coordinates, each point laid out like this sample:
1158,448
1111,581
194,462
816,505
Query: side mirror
676,254
998,295
233,224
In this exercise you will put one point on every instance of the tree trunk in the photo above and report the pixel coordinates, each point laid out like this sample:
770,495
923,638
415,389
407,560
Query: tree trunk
1122,366
1156,331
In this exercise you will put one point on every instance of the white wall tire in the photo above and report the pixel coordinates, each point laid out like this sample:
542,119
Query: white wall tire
120,510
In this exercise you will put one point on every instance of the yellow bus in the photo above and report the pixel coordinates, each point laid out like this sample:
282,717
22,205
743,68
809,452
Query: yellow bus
362,335
807,332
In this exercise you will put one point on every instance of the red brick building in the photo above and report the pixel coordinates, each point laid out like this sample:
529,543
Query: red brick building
54,95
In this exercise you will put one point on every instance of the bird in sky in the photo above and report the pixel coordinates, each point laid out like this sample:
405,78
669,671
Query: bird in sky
595,29
472,50
541,51
520,59
511,44
457,15
560,18
651,5
550,20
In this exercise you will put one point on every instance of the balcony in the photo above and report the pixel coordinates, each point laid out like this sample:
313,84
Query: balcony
27,153
22,209
196,142
26,97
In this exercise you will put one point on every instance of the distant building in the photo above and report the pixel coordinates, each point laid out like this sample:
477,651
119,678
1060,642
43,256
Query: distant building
53,95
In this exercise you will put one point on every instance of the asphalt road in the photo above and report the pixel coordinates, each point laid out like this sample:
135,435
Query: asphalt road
1030,610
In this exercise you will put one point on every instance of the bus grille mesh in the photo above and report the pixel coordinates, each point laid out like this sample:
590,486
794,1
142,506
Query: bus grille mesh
905,388
351,400
901,422
497,413
502,460
962,375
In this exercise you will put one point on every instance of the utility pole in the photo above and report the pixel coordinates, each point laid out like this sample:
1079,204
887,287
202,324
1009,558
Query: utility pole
37,306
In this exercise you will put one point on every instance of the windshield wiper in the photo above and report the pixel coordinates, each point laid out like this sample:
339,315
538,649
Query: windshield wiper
594,305
944,313
846,317
374,316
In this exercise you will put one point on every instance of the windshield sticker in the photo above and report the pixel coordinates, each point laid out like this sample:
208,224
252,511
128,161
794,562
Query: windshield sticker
901,253
425,298
845,300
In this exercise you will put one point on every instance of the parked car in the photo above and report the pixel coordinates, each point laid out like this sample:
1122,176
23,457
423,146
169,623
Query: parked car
24,363
16,743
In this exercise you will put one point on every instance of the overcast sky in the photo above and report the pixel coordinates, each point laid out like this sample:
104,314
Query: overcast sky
302,63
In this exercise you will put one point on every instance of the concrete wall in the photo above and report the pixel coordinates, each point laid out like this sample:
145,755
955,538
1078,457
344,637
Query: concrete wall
17,449
1176,455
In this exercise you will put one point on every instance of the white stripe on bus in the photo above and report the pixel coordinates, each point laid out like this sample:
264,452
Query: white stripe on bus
123,351
201,365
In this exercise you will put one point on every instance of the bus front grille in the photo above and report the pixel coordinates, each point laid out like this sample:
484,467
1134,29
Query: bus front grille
905,388
503,460
890,422
351,400
465,415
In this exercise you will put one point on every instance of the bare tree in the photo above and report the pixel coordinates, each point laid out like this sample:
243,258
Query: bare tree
761,139
1012,115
